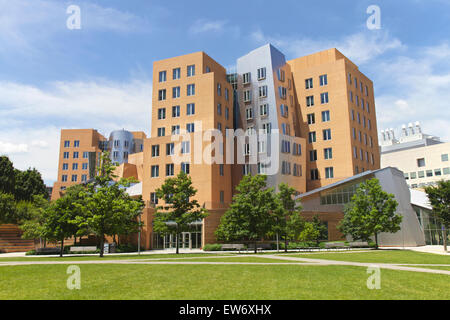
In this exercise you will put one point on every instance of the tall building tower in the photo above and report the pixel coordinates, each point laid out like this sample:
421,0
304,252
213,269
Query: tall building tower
337,117
191,99
268,111
78,155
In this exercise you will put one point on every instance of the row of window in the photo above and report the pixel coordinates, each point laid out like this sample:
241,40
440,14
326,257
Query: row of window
327,154
176,73
360,119
74,178
427,173
368,141
364,106
176,111
323,81
116,143
170,149
84,166
311,117
363,155
355,82
326,135
76,143
185,167
75,155
324,99
329,173
421,161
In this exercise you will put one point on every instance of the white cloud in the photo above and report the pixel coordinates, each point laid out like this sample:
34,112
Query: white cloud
202,26
31,117
11,148
360,47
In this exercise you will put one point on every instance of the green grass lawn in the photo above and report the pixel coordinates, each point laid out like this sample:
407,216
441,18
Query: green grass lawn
258,259
381,256
217,282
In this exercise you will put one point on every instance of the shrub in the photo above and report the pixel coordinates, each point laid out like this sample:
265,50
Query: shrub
124,248
30,253
212,247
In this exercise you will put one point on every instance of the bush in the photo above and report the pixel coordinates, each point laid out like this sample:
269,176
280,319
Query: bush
212,247
124,248
30,253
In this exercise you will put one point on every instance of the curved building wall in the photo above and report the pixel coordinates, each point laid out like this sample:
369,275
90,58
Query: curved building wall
121,145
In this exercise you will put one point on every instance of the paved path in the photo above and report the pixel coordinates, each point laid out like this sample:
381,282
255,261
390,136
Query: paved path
292,261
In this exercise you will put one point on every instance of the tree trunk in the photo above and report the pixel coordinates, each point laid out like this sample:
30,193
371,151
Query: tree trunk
444,231
285,243
256,251
376,241
102,246
62,247
177,245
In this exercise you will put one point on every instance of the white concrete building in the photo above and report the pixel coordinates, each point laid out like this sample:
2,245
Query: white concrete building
424,159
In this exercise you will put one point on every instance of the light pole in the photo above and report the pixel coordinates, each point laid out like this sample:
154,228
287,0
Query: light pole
139,236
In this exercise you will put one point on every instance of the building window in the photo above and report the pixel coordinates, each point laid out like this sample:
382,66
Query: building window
64,178
313,155
191,71
314,174
221,169
170,149
280,73
285,146
284,110
76,144
227,113
261,168
83,178
297,170
185,167
446,171
444,157
328,153
324,98
329,173
311,118
84,166
421,162
161,113
312,137
155,171
263,109
153,198
175,111
249,113
190,110
190,127
247,96
161,132
175,129
226,94
309,83
283,92
66,155
327,134
176,92
74,166
261,73
75,155
66,144
176,73
297,149
286,168
85,154
219,89
267,127
246,169
323,80
263,91
325,116
170,170
74,178
162,76
162,94
309,101
65,166
262,147
191,89
222,196
437,172
246,78
185,147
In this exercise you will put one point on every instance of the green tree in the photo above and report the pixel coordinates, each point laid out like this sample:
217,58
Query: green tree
108,209
310,232
288,221
250,214
370,212
33,226
7,178
7,208
179,209
321,227
29,183
439,197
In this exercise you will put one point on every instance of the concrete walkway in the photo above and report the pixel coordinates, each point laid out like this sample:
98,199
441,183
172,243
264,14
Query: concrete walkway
293,261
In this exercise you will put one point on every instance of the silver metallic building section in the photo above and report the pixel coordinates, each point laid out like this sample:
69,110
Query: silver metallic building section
121,144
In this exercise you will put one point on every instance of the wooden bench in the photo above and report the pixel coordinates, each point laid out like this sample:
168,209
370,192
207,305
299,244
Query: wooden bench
259,246
336,245
237,247
83,249
50,250
359,244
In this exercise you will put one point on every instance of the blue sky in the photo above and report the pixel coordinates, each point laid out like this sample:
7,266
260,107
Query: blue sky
100,75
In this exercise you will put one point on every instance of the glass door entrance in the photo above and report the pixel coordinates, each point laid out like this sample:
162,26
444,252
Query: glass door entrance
191,239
